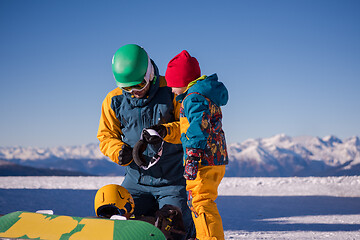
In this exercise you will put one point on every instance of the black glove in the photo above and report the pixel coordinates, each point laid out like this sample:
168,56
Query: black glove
169,220
153,139
191,167
137,153
125,155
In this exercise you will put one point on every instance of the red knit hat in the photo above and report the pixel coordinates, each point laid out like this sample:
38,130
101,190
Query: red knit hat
182,70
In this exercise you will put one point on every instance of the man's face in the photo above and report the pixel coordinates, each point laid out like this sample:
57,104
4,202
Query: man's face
142,93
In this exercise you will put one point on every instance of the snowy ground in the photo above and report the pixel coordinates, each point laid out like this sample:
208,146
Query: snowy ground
251,208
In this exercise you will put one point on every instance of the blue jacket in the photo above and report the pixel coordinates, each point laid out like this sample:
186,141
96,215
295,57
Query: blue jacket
122,120
201,120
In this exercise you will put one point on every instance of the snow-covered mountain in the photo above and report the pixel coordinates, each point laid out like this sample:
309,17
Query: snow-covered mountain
280,155
12,169
85,158
89,151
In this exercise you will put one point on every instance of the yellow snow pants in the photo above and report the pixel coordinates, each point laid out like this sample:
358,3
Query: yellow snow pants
202,193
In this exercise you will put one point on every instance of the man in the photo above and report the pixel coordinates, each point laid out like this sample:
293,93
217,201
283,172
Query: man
143,100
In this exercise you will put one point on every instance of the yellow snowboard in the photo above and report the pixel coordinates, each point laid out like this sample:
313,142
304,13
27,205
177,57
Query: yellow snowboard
29,225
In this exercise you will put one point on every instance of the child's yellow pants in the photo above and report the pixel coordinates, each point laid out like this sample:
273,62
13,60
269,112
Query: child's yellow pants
202,194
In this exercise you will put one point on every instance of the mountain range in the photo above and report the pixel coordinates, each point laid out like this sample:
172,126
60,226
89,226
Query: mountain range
285,156
277,156
84,159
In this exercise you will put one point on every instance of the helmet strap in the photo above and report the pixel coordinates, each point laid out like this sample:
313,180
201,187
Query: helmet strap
150,72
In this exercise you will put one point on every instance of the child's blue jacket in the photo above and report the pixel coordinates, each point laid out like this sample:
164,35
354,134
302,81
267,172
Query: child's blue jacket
201,121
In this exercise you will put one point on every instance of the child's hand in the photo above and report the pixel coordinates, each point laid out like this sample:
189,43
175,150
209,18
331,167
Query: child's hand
191,167
159,132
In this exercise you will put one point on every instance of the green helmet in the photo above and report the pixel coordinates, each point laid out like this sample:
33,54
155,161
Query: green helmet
129,65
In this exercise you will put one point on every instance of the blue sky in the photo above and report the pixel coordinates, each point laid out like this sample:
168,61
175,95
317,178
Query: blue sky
291,67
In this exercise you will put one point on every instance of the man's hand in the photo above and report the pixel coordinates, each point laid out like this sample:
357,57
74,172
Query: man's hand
125,155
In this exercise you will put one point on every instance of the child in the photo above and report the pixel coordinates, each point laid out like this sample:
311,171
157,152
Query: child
202,138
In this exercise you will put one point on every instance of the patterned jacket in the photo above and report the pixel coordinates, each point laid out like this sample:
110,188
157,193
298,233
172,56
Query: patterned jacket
201,121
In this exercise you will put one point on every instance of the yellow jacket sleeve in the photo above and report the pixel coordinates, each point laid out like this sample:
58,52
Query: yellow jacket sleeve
173,128
109,132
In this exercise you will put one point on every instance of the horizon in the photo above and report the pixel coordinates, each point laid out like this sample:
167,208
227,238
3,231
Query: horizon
279,155
228,143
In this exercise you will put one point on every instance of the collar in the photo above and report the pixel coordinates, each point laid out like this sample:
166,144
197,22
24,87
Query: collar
181,97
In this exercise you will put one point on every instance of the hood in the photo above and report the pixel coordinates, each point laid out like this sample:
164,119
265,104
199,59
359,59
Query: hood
212,89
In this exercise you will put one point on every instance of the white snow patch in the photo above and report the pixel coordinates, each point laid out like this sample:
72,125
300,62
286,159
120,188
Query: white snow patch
251,208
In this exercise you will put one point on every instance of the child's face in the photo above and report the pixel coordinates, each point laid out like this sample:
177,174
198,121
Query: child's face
178,90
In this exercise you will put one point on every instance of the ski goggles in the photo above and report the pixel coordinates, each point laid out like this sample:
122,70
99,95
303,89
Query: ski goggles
136,88
159,153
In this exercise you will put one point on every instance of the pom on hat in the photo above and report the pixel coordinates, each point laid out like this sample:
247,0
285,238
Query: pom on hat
182,70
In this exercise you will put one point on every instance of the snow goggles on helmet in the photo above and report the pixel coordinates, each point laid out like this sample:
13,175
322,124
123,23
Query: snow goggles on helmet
138,87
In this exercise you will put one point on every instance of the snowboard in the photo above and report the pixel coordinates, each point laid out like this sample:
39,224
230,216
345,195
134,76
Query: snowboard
29,225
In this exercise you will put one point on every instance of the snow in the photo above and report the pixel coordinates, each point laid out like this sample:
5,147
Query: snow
251,208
